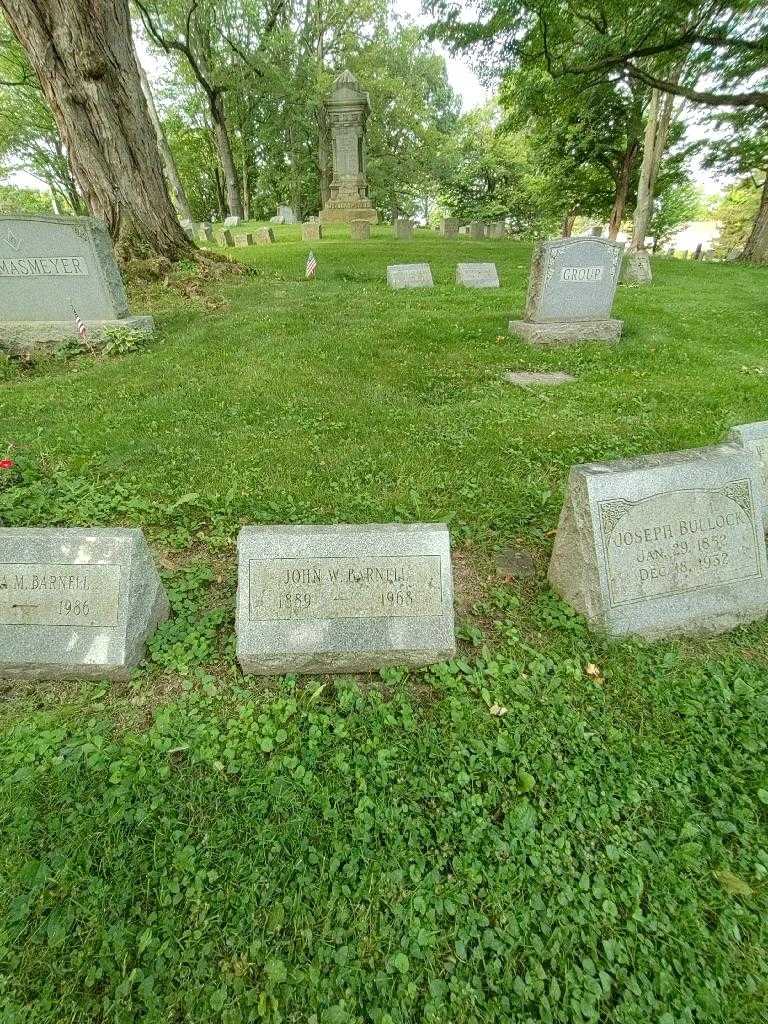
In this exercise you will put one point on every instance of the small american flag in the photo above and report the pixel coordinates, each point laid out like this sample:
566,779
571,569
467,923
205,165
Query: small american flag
311,265
81,331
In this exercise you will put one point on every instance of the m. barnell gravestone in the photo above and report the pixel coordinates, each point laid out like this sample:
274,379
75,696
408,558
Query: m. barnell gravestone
51,267
664,544
570,292
343,598
76,603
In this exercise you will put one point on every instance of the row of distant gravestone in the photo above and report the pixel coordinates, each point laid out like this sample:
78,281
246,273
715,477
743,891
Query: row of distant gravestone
360,230
659,545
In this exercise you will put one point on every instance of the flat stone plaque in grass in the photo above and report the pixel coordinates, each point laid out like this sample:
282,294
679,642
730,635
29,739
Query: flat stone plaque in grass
51,267
664,544
343,598
754,437
76,602
570,292
409,275
477,275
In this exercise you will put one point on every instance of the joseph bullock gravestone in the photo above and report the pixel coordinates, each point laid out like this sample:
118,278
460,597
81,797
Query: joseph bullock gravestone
76,603
52,266
570,292
343,598
664,544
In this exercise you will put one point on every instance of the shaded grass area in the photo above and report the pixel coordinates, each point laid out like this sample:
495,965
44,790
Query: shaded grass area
194,846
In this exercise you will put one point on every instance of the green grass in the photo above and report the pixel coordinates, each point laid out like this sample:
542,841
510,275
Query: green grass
198,847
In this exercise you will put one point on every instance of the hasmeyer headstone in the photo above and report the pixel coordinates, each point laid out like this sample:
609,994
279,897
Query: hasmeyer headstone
754,437
76,603
477,275
409,275
343,598
570,292
51,267
664,544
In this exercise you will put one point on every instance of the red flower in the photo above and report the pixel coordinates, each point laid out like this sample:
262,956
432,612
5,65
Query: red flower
7,463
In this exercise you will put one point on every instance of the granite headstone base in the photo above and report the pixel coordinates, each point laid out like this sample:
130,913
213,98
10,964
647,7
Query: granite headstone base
24,335
345,215
569,333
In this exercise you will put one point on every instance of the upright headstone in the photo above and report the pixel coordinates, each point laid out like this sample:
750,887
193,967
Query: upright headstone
636,268
664,544
51,267
464,229
311,232
476,230
403,229
449,227
360,230
189,229
343,598
570,292
204,233
76,603
754,437
286,212
348,108
225,237
409,275
264,236
244,240
477,275
596,231
231,222
496,229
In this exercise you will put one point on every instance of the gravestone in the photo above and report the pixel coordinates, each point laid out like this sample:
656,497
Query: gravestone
403,229
205,233
570,292
523,378
449,227
754,438
360,230
636,267
225,237
348,108
464,229
343,598
231,222
664,544
265,236
476,230
244,240
189,229
596,231
286,212
51,267
311,232
409,275
477,275
496,229
76,603
276,220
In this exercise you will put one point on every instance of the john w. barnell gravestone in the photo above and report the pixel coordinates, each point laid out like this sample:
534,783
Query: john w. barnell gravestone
76,602
570,292
664,544
52,266
343,598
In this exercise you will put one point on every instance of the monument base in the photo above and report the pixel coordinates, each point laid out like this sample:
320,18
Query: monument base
25,335
636,268
570,333
345,215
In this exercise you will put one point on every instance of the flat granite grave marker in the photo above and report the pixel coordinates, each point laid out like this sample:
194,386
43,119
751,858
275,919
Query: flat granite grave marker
523,378
664,544
52,266
360,230
409,275
76,603
754,437
570,292
311,231
477,275
343,598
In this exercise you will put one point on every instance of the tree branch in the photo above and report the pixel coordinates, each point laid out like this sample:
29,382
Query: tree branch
756,98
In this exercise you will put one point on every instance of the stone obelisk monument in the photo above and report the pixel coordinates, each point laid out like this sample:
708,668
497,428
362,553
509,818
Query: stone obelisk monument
348,108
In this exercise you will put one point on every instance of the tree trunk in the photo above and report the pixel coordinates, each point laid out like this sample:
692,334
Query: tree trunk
246,189
171,172
622,189
656,130
568,222
224,149
83,57
756,249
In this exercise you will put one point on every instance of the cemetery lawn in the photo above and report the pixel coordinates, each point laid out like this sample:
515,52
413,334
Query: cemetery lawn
551,828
